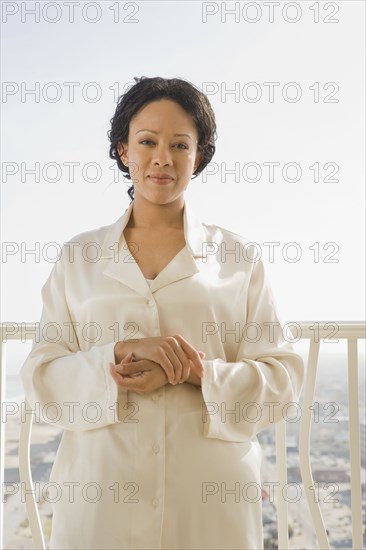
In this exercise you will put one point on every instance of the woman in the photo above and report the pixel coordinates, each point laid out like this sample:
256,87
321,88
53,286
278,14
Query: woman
162,347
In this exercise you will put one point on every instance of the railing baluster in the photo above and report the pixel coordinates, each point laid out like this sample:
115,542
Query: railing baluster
304,445
25,474
2,435
281,505
354,438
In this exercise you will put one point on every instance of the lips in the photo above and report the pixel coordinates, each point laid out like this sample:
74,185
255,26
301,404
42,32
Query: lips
161,178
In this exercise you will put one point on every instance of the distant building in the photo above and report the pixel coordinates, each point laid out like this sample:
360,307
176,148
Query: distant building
330,475
363,443
291,444
293,474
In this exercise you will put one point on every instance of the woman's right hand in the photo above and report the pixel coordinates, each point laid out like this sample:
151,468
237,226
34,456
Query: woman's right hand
175,355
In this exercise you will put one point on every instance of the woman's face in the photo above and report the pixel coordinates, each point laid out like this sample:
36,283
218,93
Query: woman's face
155,148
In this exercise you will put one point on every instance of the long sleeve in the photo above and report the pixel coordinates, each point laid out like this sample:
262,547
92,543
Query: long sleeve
246,396
65,384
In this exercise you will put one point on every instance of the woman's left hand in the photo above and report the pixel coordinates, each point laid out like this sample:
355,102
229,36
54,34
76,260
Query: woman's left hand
143,376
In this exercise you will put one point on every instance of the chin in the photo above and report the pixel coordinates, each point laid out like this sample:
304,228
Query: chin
160,196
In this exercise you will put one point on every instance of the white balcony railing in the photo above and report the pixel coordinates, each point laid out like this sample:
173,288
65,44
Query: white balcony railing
314,331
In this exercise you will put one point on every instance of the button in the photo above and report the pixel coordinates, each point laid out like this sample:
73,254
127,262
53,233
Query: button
155,502
155,397
151,302
156,448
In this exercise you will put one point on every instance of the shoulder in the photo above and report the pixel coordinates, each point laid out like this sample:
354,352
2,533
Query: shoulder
96,235
233,247
87,245
225,235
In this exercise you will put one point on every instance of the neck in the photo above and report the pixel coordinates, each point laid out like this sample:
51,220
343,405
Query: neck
148,215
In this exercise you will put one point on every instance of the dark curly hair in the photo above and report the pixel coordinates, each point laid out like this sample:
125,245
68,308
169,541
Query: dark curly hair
146,90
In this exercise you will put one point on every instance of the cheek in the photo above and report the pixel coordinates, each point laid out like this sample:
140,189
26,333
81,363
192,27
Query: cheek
135,155
137,161
189,159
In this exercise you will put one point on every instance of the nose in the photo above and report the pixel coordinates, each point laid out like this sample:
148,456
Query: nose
162,155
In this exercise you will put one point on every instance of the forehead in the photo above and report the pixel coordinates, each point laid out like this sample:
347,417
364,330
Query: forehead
162,115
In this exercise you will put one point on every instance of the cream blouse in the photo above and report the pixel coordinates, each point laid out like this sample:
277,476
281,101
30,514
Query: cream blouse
178,468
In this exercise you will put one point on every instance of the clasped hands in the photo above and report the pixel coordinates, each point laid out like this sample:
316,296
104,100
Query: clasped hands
147,364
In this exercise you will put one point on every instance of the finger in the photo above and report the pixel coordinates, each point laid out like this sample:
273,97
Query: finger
132,368
175,359
183,369
116,377
168,362
135,383
192,354
186,366
127,359
186,376
186,361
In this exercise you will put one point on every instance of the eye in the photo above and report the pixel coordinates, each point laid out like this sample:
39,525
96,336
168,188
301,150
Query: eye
178,145
184,145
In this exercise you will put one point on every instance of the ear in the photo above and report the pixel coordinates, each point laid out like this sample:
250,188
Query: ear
123,153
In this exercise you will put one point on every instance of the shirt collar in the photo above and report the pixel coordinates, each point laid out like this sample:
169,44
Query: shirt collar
194,233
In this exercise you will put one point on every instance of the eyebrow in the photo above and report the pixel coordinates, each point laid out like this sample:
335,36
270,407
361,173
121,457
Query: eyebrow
153,132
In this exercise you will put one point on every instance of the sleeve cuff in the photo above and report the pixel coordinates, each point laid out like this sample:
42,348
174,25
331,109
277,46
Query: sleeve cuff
210,418
116,397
